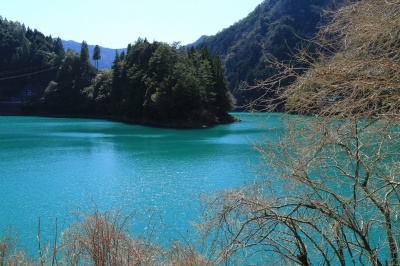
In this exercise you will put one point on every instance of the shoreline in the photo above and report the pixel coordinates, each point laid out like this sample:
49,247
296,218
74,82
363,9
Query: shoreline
173,124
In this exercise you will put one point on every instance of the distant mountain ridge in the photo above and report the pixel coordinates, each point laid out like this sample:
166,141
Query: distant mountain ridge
107,54
197,42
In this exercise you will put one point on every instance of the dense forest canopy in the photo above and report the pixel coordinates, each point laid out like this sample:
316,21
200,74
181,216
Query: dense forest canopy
276,28
152,83
24,51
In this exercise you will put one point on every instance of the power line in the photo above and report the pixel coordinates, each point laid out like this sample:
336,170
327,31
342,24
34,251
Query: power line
28,74
32,68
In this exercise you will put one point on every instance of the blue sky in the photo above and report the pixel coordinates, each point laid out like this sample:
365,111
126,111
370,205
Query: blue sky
116,23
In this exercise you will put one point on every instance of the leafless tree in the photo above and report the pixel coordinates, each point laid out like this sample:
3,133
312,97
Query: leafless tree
9,254
101,238
328,190
104,239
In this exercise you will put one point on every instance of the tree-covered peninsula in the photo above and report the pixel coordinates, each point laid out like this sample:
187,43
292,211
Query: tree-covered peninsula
152,83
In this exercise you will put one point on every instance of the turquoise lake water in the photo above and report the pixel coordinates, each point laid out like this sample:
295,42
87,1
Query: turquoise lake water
50,167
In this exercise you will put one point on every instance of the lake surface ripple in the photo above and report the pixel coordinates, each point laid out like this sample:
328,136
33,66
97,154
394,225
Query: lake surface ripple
49,167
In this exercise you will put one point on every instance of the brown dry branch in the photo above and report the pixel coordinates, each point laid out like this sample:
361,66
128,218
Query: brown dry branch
180,255
102,238
355,70
329,190
330,195
9,254
8,243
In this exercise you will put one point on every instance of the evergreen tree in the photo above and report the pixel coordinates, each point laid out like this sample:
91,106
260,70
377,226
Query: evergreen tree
61,95
23,53
116,92
159,80
155,83
58,47
84,56
223,98
85,74
96,56
191,52
137,63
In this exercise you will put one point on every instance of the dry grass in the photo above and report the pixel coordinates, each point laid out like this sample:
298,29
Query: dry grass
100,238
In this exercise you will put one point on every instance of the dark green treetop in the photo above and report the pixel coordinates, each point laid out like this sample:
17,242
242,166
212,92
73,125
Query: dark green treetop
96,55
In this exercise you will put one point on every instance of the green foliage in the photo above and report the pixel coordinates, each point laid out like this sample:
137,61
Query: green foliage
84,62
97,96
96,55
65,94
274,29
28,61
154,83
164,84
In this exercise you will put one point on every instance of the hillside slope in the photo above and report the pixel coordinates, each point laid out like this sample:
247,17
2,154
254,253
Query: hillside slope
274,28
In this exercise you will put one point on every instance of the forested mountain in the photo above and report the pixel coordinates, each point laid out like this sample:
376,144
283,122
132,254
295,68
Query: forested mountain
275,28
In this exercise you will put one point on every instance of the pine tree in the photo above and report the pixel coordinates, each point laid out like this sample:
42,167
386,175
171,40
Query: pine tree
86,72
59,50
84,57
222,99
96,56
116,91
